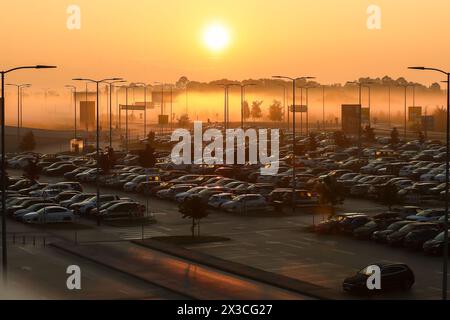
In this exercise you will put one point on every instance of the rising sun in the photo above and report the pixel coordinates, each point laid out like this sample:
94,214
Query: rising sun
216,37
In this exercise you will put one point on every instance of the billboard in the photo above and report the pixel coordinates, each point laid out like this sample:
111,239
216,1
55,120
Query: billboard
163,119
298,108
87,115
131,107
415,114
147,105
351,118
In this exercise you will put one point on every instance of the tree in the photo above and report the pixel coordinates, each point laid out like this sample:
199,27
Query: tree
107,160
184,121
193,208
312,142
147,158
276,111
421,137
31,171
394,137
440,119
256,112
151,138
246,110
329,191
388,195
369,134
28,142
340,139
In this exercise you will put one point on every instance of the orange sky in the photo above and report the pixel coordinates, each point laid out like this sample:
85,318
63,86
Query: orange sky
160,40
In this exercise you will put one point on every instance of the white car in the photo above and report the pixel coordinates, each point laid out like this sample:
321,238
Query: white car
246,202
180,197
131,186
217,200
440,177
85,206
49,215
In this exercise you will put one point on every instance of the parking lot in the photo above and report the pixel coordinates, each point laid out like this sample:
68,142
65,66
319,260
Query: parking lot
267,234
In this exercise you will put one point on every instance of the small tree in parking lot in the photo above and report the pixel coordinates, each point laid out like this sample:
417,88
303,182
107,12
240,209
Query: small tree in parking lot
31,171
28,142
388,195
329,191
394,137
147,157
193,208
107,160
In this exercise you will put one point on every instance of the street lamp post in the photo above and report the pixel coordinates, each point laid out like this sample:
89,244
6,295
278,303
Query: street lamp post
19,87
111,86
97,82
294,81
243,86
3,164
369,88
323,107
21,103
74,90
405,87
144,85
447,167
389,106
284,103
226,100
360,86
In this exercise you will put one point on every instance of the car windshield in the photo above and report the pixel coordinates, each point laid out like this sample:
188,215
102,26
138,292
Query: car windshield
365,271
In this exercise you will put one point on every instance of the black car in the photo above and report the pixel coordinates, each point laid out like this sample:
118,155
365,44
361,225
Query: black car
415,239
394,276
68,167
397,237
365,231
435,246
381,236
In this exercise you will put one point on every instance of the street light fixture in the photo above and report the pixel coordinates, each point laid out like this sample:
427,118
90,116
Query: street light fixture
97,82
294,81
447,167
3,162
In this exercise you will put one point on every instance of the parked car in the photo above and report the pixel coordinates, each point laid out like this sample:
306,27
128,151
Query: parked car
123,210
396,238
435,246
415,239
246,203
331,225
381,236
217,200
393,276
49,215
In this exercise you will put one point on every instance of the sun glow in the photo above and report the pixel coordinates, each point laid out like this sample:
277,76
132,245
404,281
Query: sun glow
216,37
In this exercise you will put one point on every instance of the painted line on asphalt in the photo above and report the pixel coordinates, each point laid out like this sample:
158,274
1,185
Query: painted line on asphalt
350,253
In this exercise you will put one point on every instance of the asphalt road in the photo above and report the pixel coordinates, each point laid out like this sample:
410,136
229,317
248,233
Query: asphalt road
279,243
39,273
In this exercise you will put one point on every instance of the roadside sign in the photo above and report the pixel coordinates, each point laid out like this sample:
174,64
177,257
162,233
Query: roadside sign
298,108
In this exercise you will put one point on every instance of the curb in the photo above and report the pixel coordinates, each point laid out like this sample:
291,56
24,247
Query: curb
239,269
